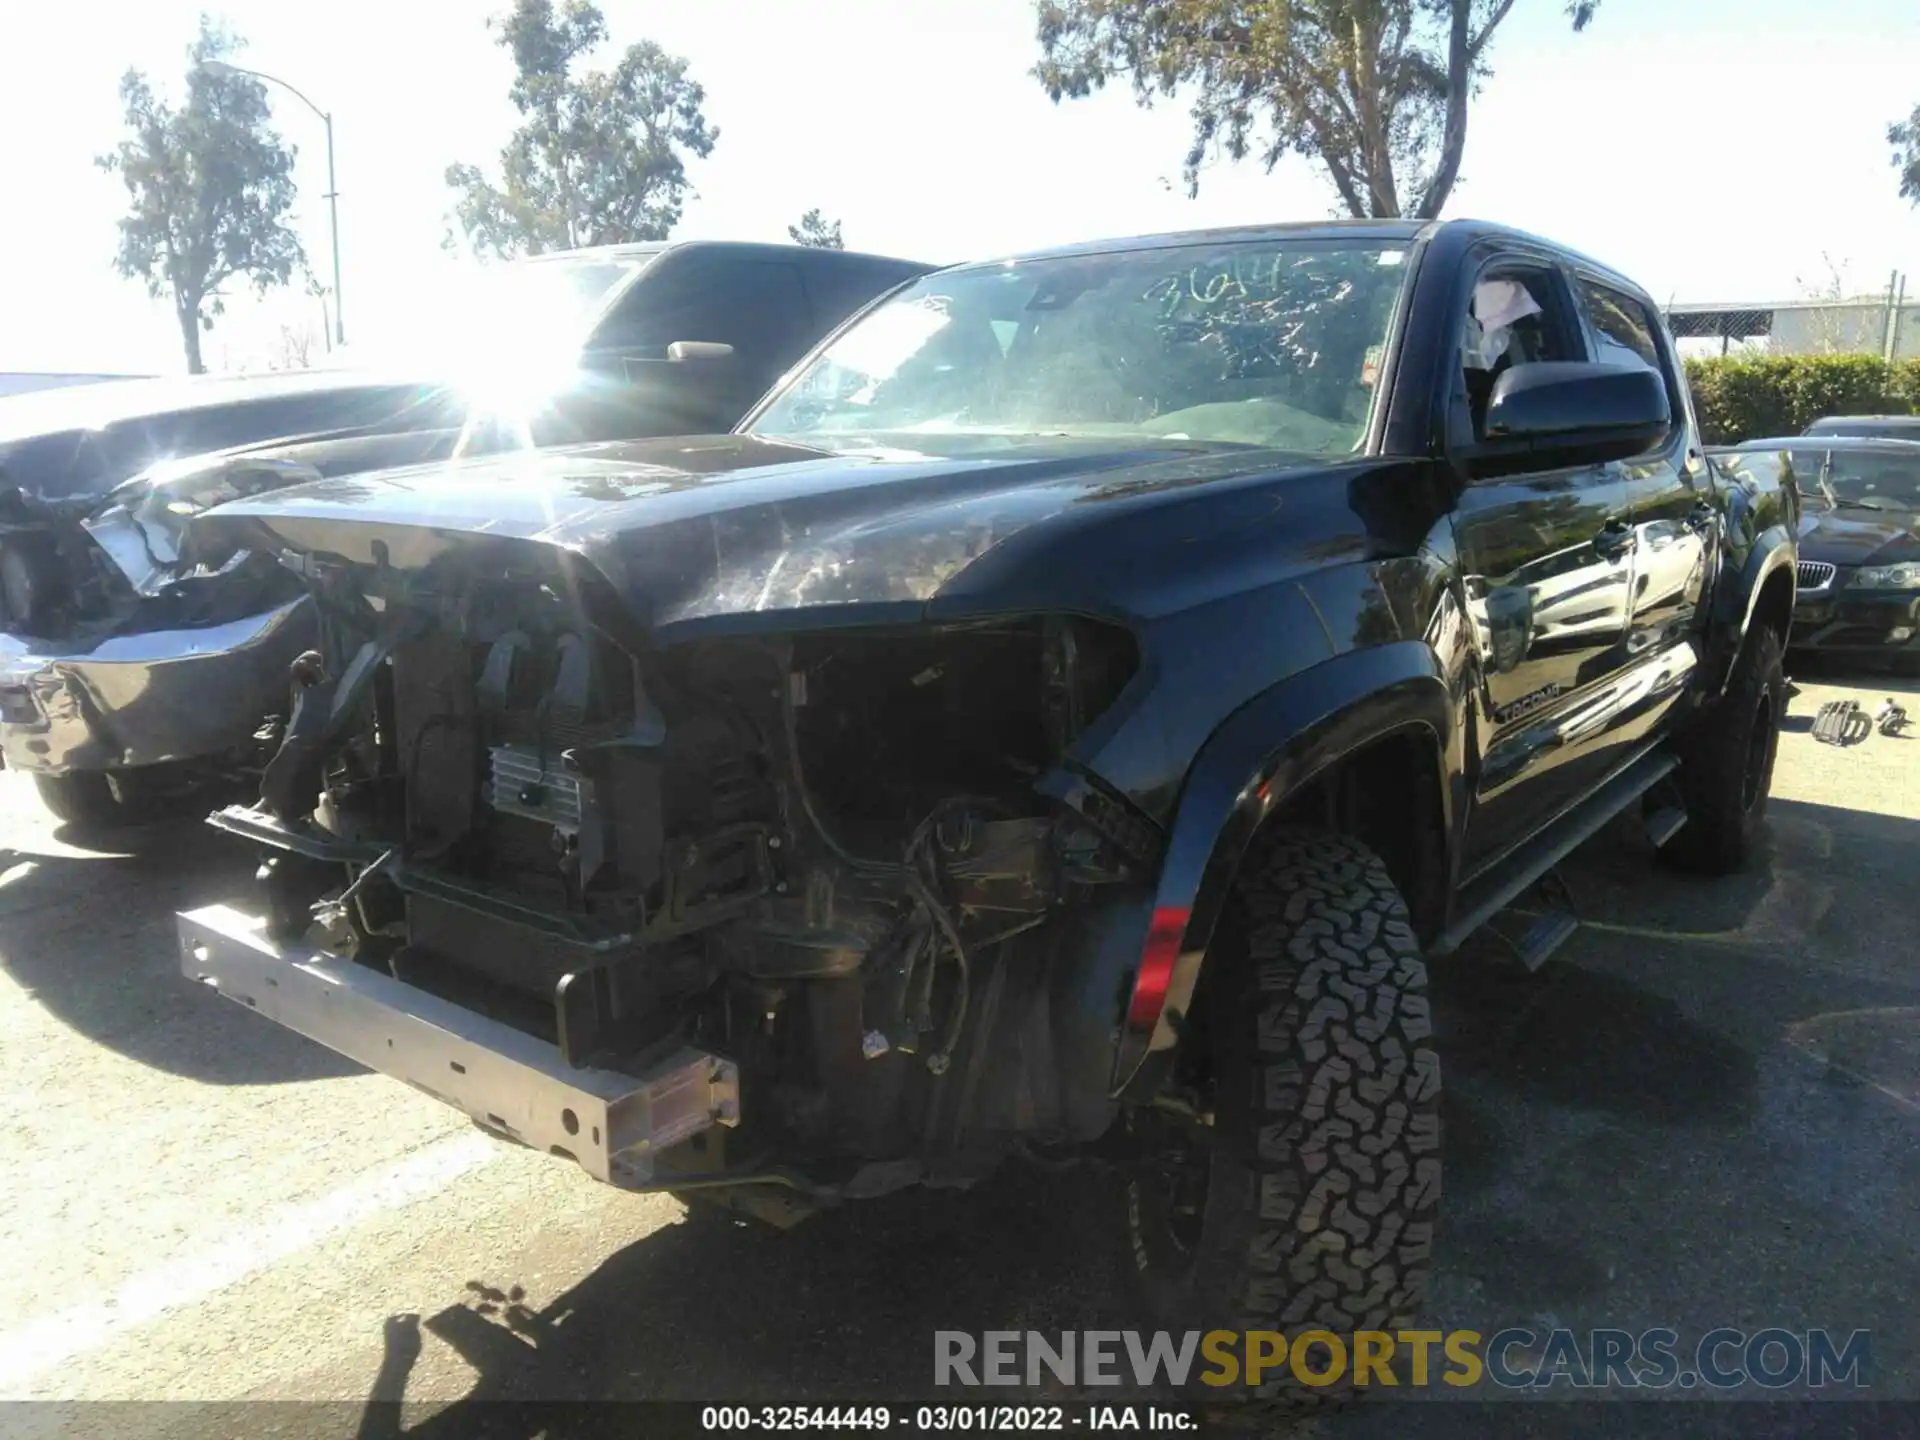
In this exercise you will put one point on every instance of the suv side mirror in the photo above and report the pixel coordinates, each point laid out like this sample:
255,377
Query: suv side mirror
705,350
1575,413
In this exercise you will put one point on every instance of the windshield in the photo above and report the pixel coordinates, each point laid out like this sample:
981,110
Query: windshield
1875,480
1807,466
1267,343
1841,479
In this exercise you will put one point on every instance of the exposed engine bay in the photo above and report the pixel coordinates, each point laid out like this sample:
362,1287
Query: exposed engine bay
829,857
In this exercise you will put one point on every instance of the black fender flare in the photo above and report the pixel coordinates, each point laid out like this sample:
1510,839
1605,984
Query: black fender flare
1259,756
1773,550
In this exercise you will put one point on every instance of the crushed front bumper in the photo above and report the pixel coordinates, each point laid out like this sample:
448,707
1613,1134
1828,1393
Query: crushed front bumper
149,697
611,1124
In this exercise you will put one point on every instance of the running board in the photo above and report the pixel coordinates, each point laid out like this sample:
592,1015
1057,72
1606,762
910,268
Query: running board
1487,894
1663,825
1546,935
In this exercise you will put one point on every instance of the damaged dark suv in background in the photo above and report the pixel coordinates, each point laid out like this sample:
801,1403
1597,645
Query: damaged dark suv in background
136,660
1063,720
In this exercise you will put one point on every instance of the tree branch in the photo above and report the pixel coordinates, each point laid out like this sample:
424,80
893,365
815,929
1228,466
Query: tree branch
1363,79
1479,42
1378,91
1905,138
1453,143
1337,169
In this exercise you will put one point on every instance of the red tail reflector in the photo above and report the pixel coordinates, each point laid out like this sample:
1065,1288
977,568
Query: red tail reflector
1164,933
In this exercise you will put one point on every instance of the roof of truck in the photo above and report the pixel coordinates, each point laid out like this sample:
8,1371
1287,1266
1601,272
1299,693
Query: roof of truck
733,249
1407,232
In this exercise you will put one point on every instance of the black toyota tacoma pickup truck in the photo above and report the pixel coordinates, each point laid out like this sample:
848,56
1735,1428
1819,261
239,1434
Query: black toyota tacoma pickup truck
1066,717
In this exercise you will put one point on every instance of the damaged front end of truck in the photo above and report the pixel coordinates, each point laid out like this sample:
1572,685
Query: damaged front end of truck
134,648
141,655
782,902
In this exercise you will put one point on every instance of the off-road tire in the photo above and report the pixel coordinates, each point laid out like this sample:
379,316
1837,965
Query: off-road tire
1726,764
84,800
1324,1180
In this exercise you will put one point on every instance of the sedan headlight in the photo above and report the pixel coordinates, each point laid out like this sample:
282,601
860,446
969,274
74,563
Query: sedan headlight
1887,577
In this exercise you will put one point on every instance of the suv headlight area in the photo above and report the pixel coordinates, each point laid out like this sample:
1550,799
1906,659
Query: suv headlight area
1886,577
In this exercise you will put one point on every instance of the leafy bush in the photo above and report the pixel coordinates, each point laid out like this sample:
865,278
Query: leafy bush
1747,398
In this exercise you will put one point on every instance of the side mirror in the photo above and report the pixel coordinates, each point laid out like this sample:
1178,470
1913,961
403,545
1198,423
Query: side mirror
1575,412
705,350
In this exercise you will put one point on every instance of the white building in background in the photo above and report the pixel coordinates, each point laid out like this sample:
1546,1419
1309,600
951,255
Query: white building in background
1868,325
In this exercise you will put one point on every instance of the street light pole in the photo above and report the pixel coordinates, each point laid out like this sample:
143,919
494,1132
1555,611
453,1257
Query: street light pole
333,189
333,217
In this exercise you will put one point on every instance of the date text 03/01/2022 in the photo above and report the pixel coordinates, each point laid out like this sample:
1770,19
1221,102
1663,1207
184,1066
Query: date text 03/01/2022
944,1418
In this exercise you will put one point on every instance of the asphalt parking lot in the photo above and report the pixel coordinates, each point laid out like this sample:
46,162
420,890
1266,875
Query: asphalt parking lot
1705,1112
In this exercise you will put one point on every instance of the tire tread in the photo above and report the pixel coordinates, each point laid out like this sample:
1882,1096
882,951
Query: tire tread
1720,834
1333,1227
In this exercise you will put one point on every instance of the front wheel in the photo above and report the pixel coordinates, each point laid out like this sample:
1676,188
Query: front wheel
84,799
1309,1203
106,800
1726,764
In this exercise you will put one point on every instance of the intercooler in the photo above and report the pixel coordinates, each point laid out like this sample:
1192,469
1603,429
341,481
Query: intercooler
523,782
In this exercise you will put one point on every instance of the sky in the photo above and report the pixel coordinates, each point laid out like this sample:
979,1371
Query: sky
1714,150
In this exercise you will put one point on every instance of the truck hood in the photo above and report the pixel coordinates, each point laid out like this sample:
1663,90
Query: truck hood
142,523
721,527
94,407
76,444
1860,537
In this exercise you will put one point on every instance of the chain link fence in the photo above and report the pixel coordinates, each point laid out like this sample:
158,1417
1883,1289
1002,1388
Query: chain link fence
1886,325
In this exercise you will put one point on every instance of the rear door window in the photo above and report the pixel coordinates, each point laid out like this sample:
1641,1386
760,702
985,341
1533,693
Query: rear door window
757,306
1622,328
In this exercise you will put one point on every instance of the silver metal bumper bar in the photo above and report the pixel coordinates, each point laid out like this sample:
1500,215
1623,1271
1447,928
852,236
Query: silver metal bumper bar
611,1124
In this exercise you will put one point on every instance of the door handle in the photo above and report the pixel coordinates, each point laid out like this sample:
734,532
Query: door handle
1616,540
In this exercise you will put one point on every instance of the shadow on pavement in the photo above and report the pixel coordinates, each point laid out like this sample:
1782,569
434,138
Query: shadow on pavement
1582,1040
1699,1113
1635,1137
843,1308
89,935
